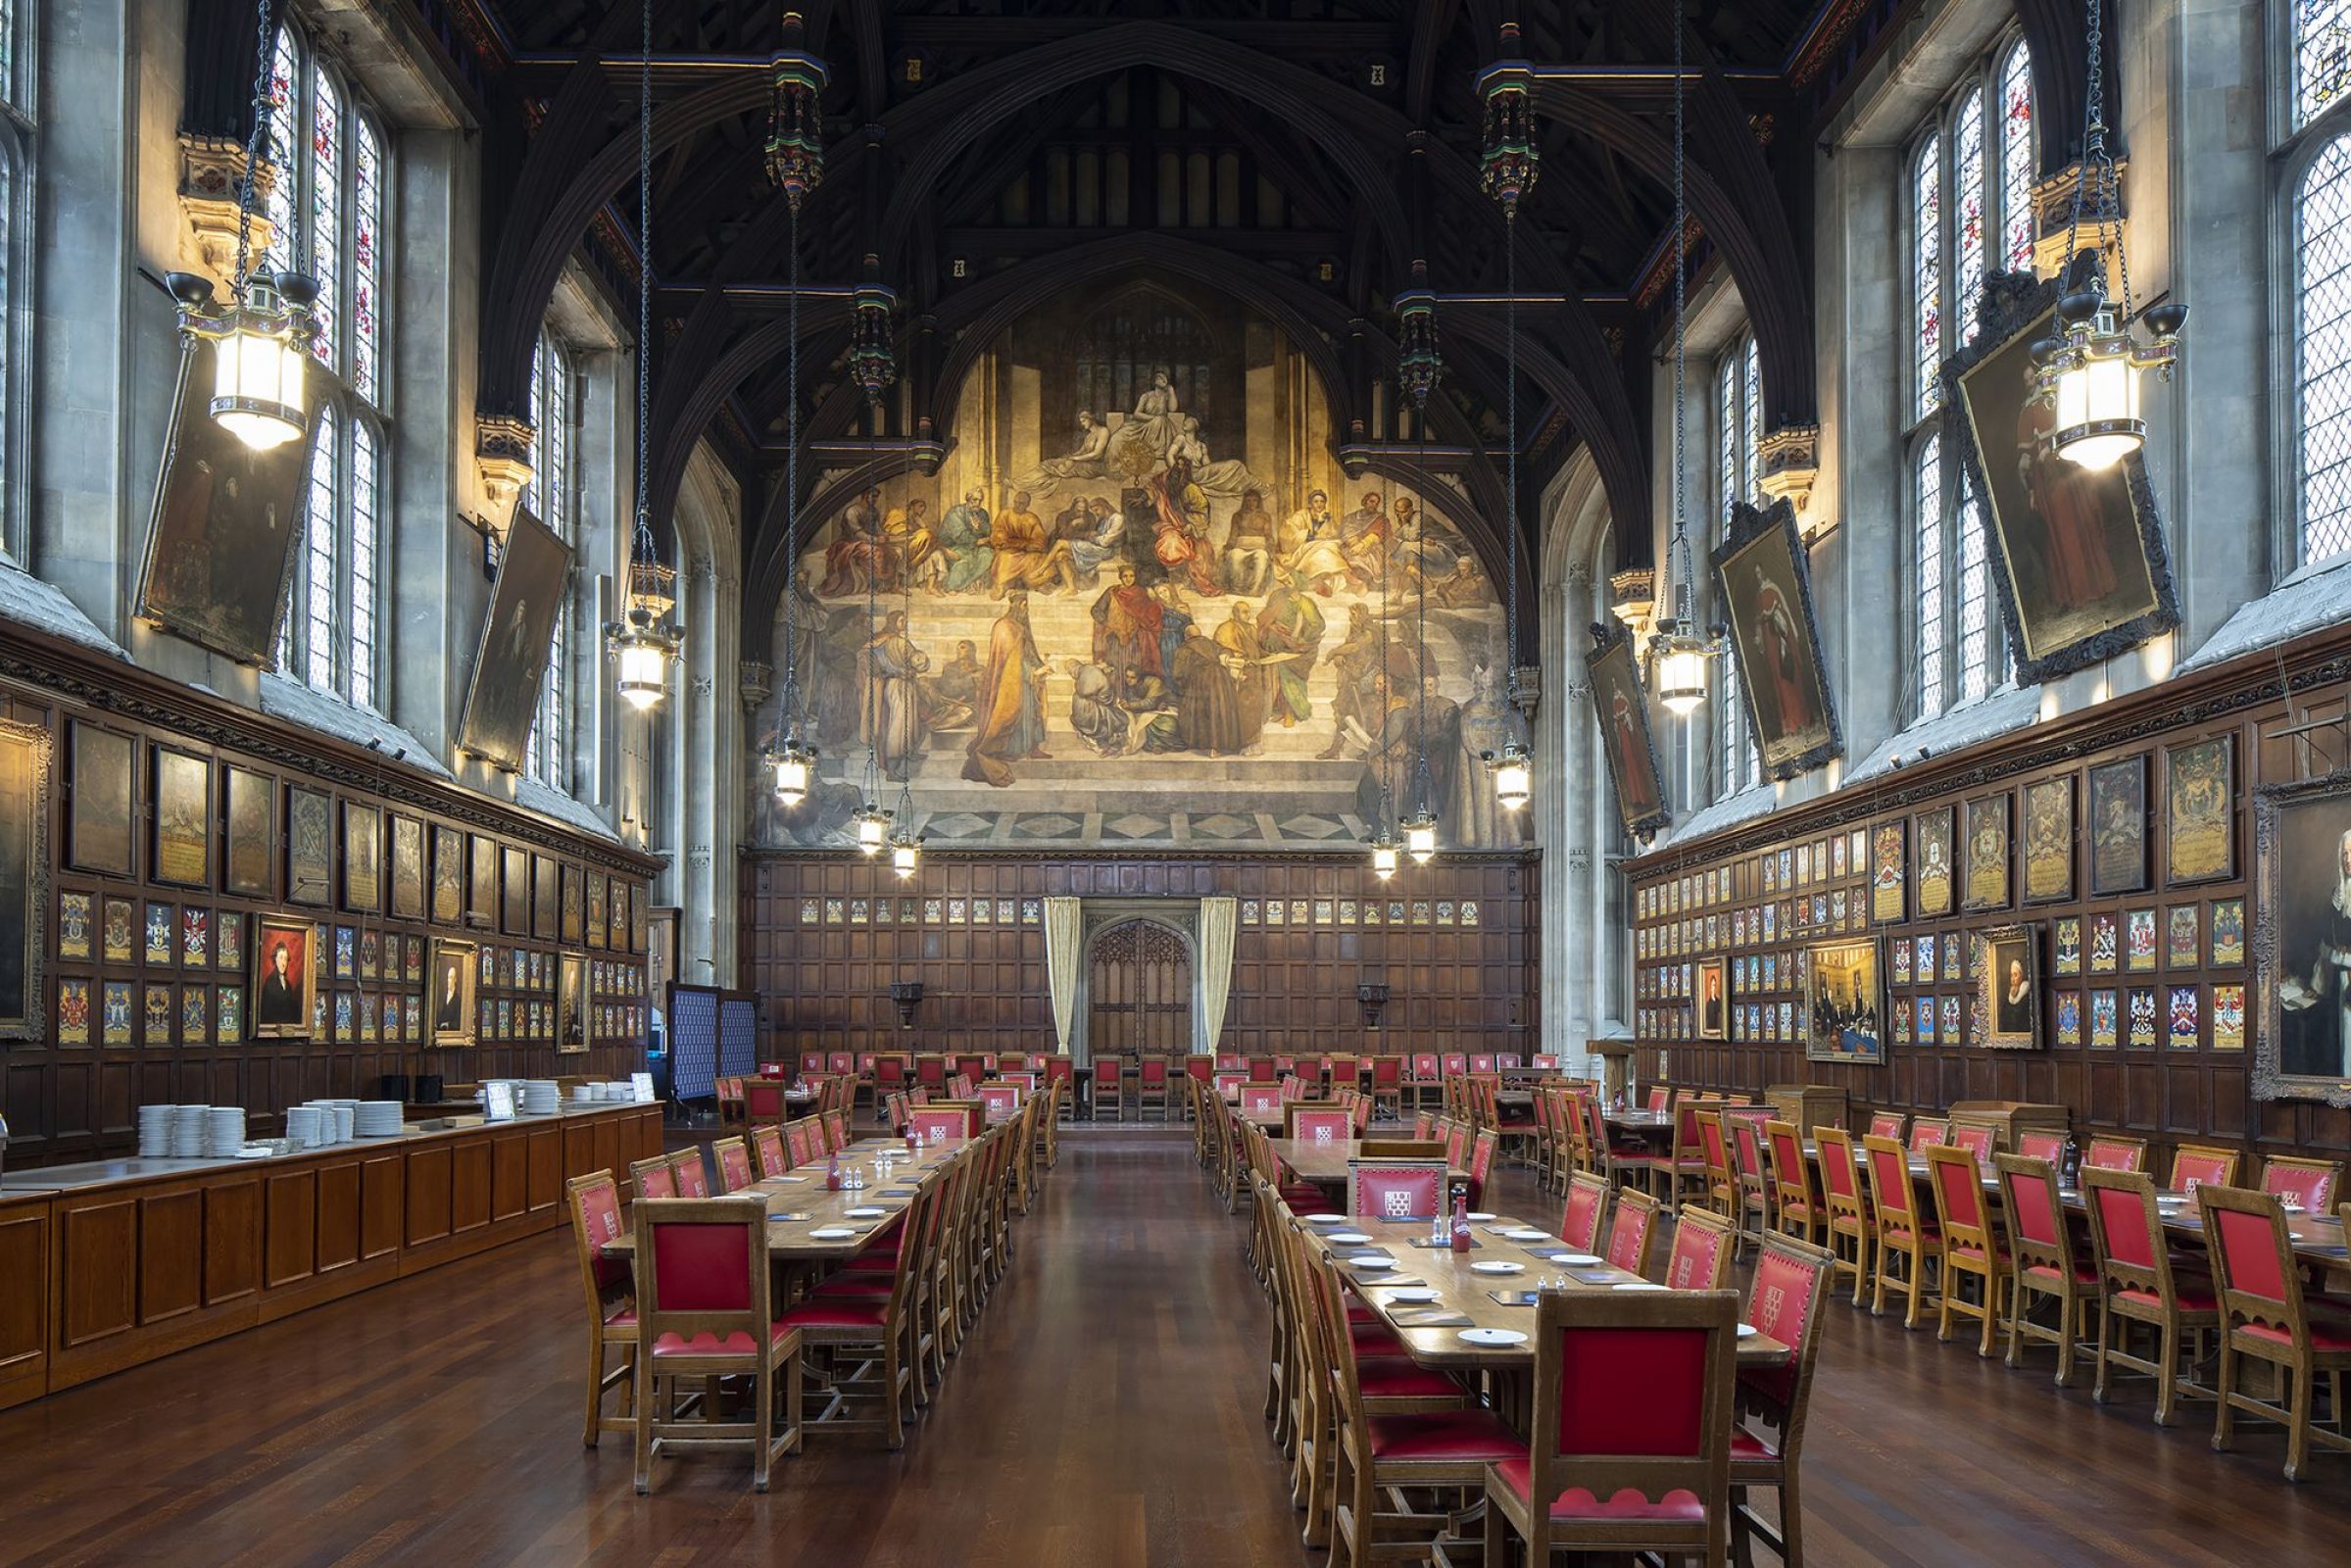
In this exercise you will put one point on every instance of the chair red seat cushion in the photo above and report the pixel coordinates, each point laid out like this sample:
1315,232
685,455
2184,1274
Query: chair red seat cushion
860,1287
1375,1339
1575,1503
1468,1436
706,1344
1403,1379
2084,1274
2330,1336
625,1321
2190,1297
839,1312
1752,1447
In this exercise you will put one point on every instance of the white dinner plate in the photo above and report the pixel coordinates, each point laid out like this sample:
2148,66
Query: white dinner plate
866,1213
1524,1235
1748,1331
1346,1237
1497,1266
1637,1285
1411,1293
1494,1337
831,1232
1370,1260
1576,1259
1326,1219
1479,1219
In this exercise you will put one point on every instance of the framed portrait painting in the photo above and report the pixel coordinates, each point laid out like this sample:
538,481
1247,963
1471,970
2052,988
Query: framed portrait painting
2008,989
285,978
227,523
2077,554
571,1004
573,894
2049,841
1987,853
481,881
250,812
1714,999
447,875
1888,901
98,831
183,818
1843,1009
363,858
1765,580
2302,940
543,909
2199,797
503,695
310,845
24,775
451,993
1621,701
1936,861
515,903
2116,826
408,868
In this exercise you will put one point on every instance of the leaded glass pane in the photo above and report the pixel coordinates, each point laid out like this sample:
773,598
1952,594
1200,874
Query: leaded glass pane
1967,186
1926,502
319,568
1926,273
1751,434
2016,158
2322,350
285,74
367,283
365,539
1976,657
1726,437
2322,55
327,213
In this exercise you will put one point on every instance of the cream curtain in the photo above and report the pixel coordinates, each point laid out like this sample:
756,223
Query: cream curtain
1064,951
1219,916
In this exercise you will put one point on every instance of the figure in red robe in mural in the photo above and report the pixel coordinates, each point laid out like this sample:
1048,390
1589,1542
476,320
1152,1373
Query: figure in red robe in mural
1781,664
2072,501
1633,775
1011,722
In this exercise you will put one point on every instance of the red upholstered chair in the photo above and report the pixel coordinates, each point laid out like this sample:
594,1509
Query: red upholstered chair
1480,1165
734,1165
1632,1229
730,1102
1929,1132
1262,1099
1424,1125
767,1143
1660,1099
970,1064
959,1087
863,1327
1151,1085
1426,1076
705,1312
1481,1061
1508,1061
2193,1166
1456,1064
1231,1062
811,1063
1700,1260
2108,1152
1979,1138
1631,1429
654,1178
2140,1285
1784,1301
946,1120
835,1130
1721,1193
688,1172
595,1203
2042,1142
1904,1236
2044,1265
1025,1082
999,1102
2264,1317
1587,1207
930,1071
1228,1086
2307,1184
1109,1089
1848,1205
1317,1123
890,1072
1360,1108
1262,1070
1970,1243
1797,1203
1751,1171
1888,1124
1457,1137
842,1064
919,1096
1389,1189
1387,1083
1060,1071
803,1139
762,1099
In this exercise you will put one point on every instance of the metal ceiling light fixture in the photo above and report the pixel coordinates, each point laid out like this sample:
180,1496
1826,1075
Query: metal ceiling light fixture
645,643
872,817
2088,372
1383,842
796,162
262,338
1418,366
1512,765
905,844
1679,651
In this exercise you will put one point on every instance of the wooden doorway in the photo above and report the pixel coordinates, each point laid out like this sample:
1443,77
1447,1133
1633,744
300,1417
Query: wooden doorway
1138,992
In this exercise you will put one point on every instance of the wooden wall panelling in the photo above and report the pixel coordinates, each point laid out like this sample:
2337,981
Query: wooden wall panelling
25,1304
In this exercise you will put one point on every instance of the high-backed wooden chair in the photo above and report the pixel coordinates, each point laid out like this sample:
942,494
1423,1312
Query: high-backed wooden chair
596,1219
1631,1230
1317,1123
1701,1258
734,1165
1109,1089
1798,1210
1888,1124
1970,1243
1905,1237
654,1178
1392,1189
1929,1132
2264,1317
1482,1154
2196,1166
2140,1285
1980,1140
1611,1473
1750,1175
1784,1300
2310,1185
2106,1152
1845,1197
2044,1265
768,1146
762,1099
1151,1085
705,1312
864,1330
1586,1208
1388,1084
687,1170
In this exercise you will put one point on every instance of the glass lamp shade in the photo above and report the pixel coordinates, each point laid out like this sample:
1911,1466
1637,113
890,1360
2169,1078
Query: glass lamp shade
1680,660
792,772
905,856
1420,837
1382,856
642,659
258,367
2098,406
873,830
1514,775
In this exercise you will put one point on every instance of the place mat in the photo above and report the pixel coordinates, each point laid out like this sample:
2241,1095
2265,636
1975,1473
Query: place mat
1597,1276
897,1192
1516,1297
1433,1320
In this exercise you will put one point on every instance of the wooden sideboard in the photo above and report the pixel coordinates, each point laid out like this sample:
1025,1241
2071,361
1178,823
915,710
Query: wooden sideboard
115,1264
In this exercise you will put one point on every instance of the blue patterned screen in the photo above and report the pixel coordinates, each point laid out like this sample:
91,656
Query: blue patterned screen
738,1037
693,1042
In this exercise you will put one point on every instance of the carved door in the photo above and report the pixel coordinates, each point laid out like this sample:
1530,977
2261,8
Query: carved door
1138,992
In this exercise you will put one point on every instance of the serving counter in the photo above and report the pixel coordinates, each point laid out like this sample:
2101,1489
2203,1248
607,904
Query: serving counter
112,1263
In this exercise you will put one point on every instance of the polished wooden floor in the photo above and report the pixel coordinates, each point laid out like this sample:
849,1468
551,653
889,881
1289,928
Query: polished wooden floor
1105,1415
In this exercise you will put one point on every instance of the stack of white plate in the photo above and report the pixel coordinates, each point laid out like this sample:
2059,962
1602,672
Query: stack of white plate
337,1118
377,1118
226,1134
155,1131
538,1097
191,1127
308,1125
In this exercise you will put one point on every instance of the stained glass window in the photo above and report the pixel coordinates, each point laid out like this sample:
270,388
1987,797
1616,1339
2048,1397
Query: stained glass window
284,73
1750,433
2322,350
1930,537
2322,55
1738,412
327,211
366,540
1967,221
1979,661
1926,271
550,497
367,284
1729,482
2017,158
319,583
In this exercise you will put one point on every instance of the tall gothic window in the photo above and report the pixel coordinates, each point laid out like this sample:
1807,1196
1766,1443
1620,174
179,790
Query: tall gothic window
2318,230
1738,423
552,496
327,218
1968,197
17,143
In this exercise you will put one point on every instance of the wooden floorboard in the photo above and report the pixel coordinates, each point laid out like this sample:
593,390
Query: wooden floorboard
1105,1414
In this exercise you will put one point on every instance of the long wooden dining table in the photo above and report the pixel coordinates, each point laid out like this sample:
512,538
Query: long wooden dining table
1324,1162
800,1205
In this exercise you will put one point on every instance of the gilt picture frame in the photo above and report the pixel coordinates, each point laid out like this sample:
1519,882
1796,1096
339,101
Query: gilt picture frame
510,662
1620,702
1763,579
27,764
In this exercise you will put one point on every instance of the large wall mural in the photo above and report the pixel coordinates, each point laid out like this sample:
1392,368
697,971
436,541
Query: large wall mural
1139,603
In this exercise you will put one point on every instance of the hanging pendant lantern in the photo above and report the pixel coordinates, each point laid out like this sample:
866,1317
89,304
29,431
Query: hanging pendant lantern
1382,855
1420,836
873,829
1418,364
795,117
1509,160
872,362
794,768
906,853
1678,656
1513,774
